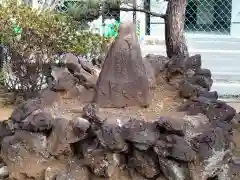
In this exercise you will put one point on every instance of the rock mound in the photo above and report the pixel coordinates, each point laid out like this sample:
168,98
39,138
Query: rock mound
40,141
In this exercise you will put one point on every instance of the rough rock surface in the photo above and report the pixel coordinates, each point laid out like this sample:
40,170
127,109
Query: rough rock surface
123,80
37,144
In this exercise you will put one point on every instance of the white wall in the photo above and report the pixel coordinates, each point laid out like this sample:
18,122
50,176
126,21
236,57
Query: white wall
235,22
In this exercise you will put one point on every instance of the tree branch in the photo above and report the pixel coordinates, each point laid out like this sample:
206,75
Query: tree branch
140,10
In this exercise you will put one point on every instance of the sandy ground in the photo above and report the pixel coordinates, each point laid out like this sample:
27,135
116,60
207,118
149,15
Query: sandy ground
5,112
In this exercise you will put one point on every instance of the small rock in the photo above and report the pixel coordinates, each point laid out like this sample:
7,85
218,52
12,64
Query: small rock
145,163
169,125
62,135
80,127
175,66
211,95
110,137
53,170
210,141
90,112
5,130
4,172
201,81
22,111
188,90
175,147
64,81
140,131
136,175
204,72
173,170
38,121
193,62
72,63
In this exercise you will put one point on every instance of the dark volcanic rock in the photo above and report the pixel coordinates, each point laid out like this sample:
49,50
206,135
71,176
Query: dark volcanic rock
188,90
140,131
169,125
110,136
22,111
72,63
158,63
204,72
5,130
173,170
38,121
146,163
90,113
63,134
21,151
210,141
210,95
80,127
213,109
175,147
175,65
193,62
64,81
220,112
201,81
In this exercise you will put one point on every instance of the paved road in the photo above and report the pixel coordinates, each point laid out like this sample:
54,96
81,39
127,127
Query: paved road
220,55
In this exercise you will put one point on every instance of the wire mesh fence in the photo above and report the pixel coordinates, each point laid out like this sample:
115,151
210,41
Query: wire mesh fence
208,16
202,16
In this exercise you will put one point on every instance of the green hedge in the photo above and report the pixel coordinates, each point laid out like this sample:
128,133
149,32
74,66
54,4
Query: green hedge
26,29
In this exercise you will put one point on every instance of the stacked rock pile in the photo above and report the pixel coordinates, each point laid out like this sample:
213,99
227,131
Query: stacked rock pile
36,145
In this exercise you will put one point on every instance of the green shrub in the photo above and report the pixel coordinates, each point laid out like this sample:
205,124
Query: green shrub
33,37
44,31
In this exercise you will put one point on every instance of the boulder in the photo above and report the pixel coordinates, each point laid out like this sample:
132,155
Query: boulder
38,121
146,163
64,81
188,90
210,95
213,109
203,72
173,170
213,150
168,125
175,147
123,80
5,129
22,111
110,136
21,151
64,133
193,62
139,131
201,81
72,63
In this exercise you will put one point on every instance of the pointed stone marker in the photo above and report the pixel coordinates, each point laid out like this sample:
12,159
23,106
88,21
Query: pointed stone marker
123,81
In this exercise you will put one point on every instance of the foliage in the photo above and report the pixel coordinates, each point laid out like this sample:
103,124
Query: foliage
33,38
48,30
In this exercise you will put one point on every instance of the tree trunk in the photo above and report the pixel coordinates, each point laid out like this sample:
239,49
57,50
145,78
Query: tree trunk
174,28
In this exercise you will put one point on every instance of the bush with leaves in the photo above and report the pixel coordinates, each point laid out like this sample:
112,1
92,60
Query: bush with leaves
33,38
